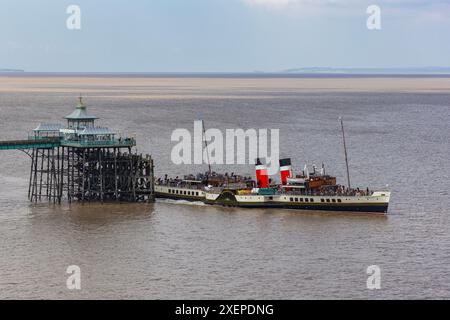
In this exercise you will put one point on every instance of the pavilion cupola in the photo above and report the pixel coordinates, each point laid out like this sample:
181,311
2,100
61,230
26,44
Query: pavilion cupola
79,118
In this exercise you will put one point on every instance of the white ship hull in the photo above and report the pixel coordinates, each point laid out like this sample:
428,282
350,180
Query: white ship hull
377,202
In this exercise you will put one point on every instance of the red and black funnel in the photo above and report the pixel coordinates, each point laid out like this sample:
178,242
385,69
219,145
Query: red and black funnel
262,178
285,170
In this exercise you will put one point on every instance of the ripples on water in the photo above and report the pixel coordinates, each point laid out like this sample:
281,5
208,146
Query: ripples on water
174,250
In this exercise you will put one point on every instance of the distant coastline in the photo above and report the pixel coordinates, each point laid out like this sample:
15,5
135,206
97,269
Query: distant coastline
216,75
370,71
12,70
304,72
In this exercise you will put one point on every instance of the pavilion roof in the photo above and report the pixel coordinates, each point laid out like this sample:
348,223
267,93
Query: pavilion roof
80,113
95,131
48,127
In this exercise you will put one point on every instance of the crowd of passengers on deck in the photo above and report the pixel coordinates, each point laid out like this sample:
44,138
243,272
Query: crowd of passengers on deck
201,180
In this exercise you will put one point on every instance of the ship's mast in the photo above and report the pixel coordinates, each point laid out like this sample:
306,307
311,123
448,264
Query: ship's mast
345,151
206,147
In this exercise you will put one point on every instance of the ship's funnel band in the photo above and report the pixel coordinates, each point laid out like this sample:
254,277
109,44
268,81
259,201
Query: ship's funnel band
285,170
260,167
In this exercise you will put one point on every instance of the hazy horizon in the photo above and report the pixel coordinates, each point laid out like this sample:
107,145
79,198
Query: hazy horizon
305,71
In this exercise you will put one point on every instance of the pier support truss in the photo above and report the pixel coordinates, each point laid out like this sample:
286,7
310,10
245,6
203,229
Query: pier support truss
90,174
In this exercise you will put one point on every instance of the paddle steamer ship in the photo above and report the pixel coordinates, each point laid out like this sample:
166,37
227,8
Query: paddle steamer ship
315,191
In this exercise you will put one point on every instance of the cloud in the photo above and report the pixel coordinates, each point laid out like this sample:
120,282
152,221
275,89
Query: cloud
432,11
284,3
387,3
270,2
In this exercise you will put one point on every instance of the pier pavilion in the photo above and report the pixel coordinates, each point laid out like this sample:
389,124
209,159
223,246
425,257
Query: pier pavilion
85,162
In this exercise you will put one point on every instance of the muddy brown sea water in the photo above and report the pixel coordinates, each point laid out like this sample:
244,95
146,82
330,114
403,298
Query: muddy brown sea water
398,133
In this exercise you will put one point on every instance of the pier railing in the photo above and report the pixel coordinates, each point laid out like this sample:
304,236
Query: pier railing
36,142
31,143
129,142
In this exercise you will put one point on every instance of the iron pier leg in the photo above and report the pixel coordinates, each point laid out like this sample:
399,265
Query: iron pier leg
31,174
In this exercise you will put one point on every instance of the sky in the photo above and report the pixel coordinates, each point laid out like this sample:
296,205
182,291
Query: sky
222,35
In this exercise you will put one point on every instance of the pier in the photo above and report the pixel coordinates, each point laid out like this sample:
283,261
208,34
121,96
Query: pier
83,162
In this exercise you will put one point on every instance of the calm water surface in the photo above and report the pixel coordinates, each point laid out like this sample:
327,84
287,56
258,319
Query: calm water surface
175,250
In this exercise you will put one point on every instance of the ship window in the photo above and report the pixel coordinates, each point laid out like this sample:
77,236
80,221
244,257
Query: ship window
306,200
322,200
291,199
296,199
176,191
334,200
339,200
184,192
311,200
170,191
196,193
328,200
301,199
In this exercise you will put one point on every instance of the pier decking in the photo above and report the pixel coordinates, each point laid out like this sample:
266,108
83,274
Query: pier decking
30,144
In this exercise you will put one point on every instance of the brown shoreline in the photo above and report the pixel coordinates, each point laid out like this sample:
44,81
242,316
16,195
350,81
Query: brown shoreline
160,87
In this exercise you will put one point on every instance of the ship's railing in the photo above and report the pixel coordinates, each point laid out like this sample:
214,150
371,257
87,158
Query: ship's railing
215,190
174,183
179,184
351,193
